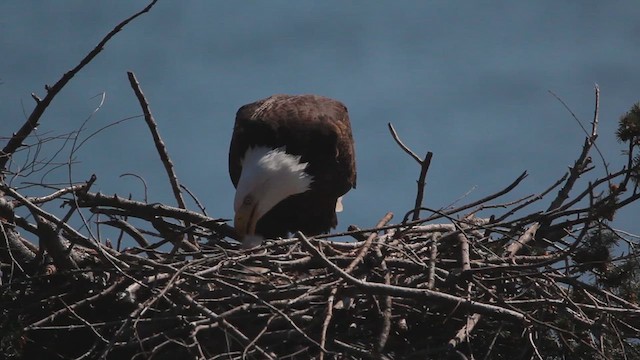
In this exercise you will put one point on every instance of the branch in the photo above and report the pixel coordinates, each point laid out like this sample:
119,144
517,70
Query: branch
528,236
41,104
160,146
581,163
18,253
424,167
51,241
149,211
463,333
361,254
400,291
73,234
402,145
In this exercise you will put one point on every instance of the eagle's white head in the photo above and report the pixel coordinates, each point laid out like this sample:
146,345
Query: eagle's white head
268,176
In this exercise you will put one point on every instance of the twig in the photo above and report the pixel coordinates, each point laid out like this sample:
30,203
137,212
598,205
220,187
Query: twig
57,194
361,254
273,308
19,254
106,252
134,233
160,146
431,278
528,236
424,167
402,145
150,211
89,300
50,240
399,291
594,121
463,333
327,319
464,252
367,244
242,338
144,184
195,199
41,104
387,306
580,164
438,213
257,337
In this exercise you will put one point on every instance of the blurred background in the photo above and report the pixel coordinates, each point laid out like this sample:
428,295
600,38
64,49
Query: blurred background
469,81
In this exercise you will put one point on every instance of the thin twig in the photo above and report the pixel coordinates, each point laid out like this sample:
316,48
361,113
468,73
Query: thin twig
580,164
41,104
399,291
463,333
160,147
402,145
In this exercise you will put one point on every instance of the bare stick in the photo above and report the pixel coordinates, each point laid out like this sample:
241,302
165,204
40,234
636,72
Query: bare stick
50,239
367,244
134,233
433,249
424,167
387,305
400,291
160,146
238,335
528,236
438,213
464,251
402,145
195,199
149,211
109,254
162,149
42,104
596,112
580,164
463,333
327,320
361,254
19,254
57,194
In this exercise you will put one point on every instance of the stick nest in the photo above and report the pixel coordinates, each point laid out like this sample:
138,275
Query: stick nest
542,276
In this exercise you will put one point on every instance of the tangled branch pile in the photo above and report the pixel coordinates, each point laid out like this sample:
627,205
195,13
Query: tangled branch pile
451,284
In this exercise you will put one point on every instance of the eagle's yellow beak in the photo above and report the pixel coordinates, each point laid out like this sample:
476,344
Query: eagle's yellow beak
245,219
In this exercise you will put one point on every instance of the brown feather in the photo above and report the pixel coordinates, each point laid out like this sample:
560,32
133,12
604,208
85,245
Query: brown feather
316,128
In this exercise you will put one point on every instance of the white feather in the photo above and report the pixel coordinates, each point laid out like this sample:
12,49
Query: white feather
251,241
271,175
339,206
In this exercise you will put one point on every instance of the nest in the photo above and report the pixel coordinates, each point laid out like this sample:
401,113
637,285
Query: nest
535,277
422,288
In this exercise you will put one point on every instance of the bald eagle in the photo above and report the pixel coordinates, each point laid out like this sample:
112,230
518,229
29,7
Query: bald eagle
291,159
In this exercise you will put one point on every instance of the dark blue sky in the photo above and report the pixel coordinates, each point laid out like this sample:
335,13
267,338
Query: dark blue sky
468,81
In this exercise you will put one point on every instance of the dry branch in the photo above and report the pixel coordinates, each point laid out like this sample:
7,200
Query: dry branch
17,140
453,284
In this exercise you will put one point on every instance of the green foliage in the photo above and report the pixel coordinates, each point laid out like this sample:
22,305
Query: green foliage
594,251
629,132
629,125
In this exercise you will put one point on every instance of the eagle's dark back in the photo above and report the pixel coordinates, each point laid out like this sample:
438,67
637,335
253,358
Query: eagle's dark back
316,128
